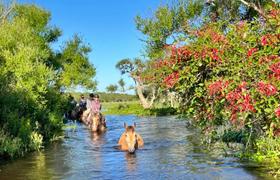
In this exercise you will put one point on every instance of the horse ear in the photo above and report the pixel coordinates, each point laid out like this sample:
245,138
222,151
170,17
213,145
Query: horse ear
134,124
124,125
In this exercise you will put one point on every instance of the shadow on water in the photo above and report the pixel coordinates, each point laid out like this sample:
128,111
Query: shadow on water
171,151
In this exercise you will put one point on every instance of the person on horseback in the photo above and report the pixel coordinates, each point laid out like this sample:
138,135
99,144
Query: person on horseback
83,102
87,112
96,108
95,104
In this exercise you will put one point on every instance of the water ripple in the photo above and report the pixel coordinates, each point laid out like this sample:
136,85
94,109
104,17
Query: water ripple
171,151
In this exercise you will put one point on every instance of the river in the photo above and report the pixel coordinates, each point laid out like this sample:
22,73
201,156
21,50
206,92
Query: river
171,151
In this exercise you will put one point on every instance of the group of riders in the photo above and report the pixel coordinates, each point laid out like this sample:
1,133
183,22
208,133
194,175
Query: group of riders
86,109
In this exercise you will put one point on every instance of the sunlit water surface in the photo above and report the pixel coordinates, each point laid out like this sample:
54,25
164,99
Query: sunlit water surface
171,151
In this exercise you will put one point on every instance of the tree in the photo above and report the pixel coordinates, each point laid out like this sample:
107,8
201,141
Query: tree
135,68
225,73
122,85
112,88
172,24
31,75
6,9
74,67
237,10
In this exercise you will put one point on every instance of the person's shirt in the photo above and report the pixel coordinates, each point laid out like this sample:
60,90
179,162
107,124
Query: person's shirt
95,106
82,103
88,104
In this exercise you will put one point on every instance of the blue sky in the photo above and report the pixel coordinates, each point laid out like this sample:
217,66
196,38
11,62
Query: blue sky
107,25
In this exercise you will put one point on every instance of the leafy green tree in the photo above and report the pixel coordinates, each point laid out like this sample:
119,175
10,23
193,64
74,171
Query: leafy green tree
112,88
31,75
237,10
135,68
168,23
226,77
122,85
224,69
74,67
172,24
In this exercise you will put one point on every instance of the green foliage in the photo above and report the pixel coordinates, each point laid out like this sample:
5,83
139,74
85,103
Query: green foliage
122,108
10,147
225,72
31,75
125,66
75,64
116,97
168,24
164,111
122,85
135,108
267,154
267,150
112,88
235,136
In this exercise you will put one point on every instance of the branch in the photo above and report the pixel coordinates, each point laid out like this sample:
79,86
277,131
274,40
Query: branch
153,96
7,11
254,6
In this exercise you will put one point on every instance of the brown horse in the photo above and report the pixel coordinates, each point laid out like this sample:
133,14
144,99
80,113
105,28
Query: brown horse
130,140
97,122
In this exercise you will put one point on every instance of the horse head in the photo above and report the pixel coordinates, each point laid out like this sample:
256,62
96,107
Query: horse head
95,124
130,137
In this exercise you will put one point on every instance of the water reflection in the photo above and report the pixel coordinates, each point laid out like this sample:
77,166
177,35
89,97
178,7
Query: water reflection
97,138
171,151
131,161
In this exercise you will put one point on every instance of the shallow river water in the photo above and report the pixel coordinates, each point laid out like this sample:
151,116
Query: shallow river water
171,151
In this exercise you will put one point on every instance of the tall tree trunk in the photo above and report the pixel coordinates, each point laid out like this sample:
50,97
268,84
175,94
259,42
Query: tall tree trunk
145,101
171,98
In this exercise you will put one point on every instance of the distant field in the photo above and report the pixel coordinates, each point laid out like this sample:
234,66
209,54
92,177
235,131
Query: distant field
123,108
135,108
108,97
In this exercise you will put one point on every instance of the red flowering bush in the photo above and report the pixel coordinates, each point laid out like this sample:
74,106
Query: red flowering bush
267,89
171,79
226,76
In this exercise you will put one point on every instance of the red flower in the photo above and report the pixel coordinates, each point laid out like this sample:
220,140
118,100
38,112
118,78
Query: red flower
242,86
267,89
246,104
270,39
238,101
214,55
251,51
275,68
218,38
268,58
264,40
217,87
277,112
274,13
171,79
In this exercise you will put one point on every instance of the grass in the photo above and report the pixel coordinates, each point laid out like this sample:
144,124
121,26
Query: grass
135,108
